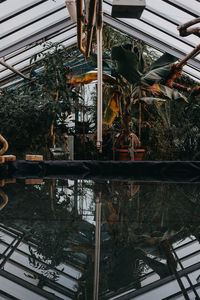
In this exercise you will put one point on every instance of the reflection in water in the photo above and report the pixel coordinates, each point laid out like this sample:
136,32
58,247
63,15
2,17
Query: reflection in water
65,239
4,197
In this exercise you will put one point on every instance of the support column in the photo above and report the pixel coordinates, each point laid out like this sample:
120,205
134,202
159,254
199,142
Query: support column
100,75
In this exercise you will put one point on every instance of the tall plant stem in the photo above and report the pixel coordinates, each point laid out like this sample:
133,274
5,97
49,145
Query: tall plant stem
52,126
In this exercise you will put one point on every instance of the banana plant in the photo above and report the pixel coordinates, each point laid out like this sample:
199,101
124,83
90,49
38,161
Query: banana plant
131,84
141,84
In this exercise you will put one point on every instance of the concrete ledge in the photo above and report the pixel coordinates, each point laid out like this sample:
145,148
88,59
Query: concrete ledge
169,171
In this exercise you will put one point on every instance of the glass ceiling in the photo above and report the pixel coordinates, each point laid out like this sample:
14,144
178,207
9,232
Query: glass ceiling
26,23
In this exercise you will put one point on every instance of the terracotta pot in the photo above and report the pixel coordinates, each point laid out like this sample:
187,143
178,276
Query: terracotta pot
124,155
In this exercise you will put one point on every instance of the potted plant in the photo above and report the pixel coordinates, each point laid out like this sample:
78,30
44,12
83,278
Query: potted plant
136,86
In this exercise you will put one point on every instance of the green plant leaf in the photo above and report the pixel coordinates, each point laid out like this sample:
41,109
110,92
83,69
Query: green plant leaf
127,63
152,100
155,75
165,59
172,94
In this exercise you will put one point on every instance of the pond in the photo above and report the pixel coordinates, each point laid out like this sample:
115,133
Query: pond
86,239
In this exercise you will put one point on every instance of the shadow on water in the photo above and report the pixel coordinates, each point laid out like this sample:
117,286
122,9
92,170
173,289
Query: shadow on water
77,239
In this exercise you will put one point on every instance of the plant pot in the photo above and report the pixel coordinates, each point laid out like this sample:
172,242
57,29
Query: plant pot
124,155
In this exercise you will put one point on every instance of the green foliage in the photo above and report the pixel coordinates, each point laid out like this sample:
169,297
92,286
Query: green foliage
173,131
168,129
27,113
127,63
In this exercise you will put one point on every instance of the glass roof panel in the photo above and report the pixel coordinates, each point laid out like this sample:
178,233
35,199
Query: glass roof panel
8,9
30,15
34,28
169,10
168,27
192,72
39,48
171,41
26,63
192,5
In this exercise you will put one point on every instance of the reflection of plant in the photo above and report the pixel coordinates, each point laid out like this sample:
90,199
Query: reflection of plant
164,217
43,269
139,225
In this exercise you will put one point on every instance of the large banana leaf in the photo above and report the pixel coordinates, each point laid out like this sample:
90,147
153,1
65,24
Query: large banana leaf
111,110
164,92
127,63
159,70
151,100
129,67
164,113
155,75
89,77
172,94
164,60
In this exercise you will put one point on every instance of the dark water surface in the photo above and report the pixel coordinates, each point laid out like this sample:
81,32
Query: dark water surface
78,239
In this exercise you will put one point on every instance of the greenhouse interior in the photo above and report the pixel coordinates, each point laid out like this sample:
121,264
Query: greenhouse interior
100,149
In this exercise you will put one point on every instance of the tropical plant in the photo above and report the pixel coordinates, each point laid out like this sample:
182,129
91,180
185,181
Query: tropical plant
33,116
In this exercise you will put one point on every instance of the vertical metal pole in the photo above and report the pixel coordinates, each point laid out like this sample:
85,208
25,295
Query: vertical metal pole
100,73
97,248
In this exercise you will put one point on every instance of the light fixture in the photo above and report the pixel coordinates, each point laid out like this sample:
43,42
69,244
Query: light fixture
128,8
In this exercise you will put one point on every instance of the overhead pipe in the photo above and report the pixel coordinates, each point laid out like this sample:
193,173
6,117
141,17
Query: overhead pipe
3,63
89,24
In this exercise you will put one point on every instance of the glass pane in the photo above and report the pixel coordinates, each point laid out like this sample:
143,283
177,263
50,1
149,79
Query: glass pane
167,26
191,5
34,28
48,289
24,260
18,291
7,7
168,10
30,15
163,37
20,272
37,49
188,249
192,71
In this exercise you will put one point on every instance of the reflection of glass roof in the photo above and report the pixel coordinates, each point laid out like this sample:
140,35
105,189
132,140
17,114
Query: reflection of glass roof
28,22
